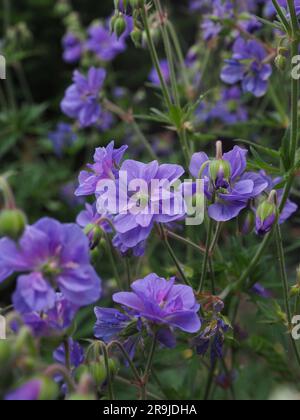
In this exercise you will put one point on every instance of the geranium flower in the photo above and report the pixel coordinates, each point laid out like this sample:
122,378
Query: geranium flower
81,100
134,227
73,48
51,257
230,192
162,303
105,166
248,66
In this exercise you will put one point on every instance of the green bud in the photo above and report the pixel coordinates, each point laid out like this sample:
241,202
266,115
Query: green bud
266,210
98,372
49,389
62,8
94,233
113,22
137,37
295,290
12,223
120,26
219,168
280,62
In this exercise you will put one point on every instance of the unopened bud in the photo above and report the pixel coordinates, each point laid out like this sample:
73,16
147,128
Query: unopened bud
12,223
280,62
266,214
137,37
120,26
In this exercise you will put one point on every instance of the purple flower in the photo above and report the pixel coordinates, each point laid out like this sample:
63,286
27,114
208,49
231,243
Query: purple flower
30,391
62,138
56,257
213,335
248,66
81,99
76,354
110,323
105,44
290,208
53,322
153,76
228,109
232,190
67,195
261,291
162,303
270,9
105,166
73,48
134,227
93,223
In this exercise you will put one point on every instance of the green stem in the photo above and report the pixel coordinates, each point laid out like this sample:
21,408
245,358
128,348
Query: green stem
155,58
294,18
185,241
110,251
282,16
144,140
210,381
285,284
128,359
108,372
149,367
206,256
294,105
180,55
169,54
173,256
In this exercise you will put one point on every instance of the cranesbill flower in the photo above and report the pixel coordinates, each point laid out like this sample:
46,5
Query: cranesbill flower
261,291
162,303
105,166
227,184
51,257
93,223
110,323
62,138
81,99
53,322
76,354
105,44
165,69
73,48
134,227
248,66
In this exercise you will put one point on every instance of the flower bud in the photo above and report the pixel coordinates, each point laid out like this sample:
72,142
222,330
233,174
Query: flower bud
98,372
49,389
137,37
220,173
280,62
12,223
265,216
120,26
94,233
246,222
